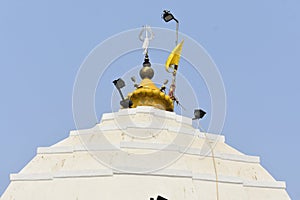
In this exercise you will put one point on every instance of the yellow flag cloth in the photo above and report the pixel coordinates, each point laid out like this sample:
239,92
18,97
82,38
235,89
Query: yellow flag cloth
174,57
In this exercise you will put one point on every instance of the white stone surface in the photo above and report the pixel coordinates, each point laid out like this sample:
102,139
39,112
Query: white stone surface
69,169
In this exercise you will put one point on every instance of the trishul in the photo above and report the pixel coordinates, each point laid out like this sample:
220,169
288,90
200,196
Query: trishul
145,36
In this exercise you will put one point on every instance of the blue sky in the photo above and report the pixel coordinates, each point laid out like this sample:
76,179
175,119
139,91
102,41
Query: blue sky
255,44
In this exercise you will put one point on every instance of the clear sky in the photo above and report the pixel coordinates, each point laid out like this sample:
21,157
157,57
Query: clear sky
255,44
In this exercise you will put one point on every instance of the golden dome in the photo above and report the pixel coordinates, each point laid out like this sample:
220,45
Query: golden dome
147,94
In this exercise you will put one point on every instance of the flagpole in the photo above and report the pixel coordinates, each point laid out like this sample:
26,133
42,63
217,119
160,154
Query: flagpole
168,16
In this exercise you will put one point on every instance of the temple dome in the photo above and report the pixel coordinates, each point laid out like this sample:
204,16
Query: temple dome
147,94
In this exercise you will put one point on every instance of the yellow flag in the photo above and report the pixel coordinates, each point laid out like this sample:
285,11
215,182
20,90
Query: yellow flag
174,57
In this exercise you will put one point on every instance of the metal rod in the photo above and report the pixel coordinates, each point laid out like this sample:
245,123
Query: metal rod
120,93
177,27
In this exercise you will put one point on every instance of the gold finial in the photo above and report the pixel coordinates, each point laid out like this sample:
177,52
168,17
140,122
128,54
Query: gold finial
147,93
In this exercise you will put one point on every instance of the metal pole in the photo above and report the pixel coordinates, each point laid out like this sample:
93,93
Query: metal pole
177,27
120,93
